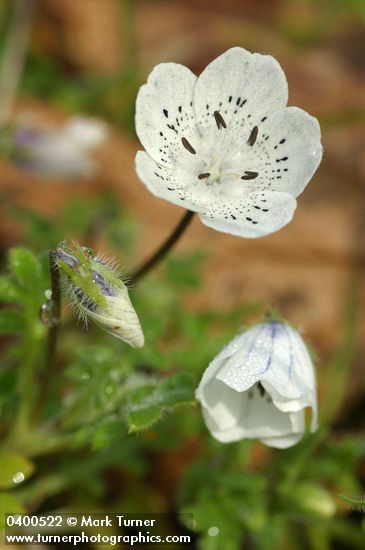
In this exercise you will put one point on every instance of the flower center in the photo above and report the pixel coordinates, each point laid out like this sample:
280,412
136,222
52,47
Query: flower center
217,169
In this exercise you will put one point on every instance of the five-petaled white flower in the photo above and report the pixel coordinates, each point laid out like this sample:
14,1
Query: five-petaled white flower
258,387
225,145
64,152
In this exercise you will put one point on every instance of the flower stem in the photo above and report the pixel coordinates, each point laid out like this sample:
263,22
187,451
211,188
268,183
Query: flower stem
55,311
163,250
14,56
51,316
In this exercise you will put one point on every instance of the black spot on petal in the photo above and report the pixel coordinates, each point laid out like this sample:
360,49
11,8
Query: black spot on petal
248,175
219,120
188,146
253,136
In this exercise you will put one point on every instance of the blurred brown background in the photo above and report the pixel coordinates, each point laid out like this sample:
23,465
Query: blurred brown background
308,268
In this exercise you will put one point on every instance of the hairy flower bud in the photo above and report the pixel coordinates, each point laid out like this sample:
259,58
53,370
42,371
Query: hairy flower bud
95,290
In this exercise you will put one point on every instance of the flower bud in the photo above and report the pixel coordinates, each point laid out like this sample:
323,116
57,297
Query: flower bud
95,290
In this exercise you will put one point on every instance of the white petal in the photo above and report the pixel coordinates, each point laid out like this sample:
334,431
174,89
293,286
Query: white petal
245,366
255,216
283,442
164,113
240,342
232,415
243,87
290,380
275,354
286,153
162,182
224,405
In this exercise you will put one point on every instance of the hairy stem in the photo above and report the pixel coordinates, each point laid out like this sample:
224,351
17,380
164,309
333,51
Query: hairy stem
147,266
14,56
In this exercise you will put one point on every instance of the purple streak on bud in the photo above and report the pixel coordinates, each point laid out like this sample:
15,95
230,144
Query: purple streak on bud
105,288
69,260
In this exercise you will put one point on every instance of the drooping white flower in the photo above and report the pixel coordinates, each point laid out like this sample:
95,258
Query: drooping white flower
95,290
64,152
225,145
258,387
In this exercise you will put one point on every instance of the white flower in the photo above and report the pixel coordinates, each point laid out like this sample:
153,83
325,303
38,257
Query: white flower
225,145
64,152
95,290
258,387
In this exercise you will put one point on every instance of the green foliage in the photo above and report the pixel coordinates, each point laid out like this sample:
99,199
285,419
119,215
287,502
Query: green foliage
9,504
110,410
149,402
74,221
102,426
14,468
110,97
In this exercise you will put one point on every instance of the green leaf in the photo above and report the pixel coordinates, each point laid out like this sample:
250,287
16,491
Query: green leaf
24,266
14,469
215,519
9,504
150,401
8,291
353,501
144,418
11,321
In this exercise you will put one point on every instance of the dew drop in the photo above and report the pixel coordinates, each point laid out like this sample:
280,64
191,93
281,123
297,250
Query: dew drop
213,531
19,477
